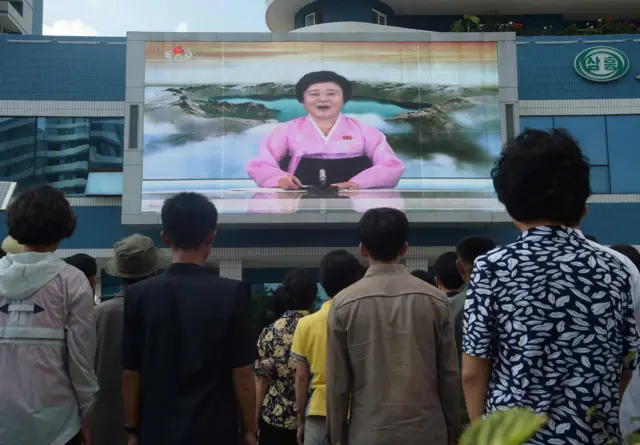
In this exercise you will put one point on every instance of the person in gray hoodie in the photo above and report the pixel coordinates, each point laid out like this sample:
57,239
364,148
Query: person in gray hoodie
47,333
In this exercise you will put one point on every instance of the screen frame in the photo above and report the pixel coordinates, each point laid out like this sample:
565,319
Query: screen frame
132,214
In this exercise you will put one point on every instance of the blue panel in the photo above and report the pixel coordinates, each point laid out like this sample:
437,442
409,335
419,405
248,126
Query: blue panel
591,133
104,184
62,71
546,71
99,227
600,180
624,154
536,123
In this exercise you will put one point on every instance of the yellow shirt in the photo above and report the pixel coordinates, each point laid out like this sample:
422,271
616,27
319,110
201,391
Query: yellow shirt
310,345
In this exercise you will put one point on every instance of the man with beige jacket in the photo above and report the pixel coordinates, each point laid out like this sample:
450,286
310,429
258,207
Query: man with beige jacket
391,352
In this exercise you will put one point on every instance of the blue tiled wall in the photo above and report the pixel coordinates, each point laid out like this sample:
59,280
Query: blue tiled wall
610,142
62,71
545,71
107,219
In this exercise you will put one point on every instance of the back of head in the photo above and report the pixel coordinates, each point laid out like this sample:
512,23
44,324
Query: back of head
542,176
40,216
338,270
630,252
299,291
85,263
383,233
424,276
188,220
446,271
471,247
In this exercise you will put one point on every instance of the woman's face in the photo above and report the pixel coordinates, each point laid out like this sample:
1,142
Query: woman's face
323,100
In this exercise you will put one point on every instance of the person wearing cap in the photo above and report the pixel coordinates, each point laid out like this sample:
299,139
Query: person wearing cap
135,259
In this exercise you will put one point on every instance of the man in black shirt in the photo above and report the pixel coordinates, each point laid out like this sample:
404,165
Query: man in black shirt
188,348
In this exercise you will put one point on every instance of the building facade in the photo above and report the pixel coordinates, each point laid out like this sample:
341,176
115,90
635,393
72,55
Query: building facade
21,16
62,121
440,15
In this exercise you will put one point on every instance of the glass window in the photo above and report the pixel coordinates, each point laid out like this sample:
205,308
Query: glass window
18,150
106,138
61,151
310,19
378,18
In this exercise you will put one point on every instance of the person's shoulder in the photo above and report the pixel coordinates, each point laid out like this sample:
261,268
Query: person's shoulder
115,304
74,279
628,265
496,256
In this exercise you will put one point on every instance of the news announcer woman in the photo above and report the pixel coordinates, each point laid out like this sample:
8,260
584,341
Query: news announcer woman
354,155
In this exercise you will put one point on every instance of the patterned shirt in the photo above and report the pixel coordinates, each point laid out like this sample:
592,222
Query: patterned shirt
279,406
555,315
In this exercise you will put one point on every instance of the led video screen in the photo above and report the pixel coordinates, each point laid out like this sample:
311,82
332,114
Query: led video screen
285,127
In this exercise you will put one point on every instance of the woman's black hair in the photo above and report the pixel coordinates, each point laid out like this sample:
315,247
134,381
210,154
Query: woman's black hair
323,77
298,292
40,216
542,176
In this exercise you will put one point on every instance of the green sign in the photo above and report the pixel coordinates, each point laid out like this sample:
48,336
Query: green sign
601,64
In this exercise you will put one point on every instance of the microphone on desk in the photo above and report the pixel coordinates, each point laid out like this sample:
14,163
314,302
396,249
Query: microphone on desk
322,178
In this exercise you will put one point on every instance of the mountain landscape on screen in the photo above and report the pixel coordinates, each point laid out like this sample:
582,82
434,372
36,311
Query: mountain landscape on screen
420,121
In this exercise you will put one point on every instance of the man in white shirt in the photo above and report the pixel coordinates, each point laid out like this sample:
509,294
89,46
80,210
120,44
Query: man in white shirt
630,404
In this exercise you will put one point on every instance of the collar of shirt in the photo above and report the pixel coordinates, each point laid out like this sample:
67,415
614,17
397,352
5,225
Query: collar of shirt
186,268
539,232
386,269
295,314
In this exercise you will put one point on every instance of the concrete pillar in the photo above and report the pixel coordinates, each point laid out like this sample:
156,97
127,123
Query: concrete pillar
231,269
414,263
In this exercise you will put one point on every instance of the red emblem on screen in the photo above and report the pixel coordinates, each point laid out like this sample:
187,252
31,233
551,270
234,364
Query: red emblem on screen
346,138
178,52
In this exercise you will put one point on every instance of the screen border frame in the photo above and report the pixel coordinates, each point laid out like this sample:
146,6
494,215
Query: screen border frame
132,214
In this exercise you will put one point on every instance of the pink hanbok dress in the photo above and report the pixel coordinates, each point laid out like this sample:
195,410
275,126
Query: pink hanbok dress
349,138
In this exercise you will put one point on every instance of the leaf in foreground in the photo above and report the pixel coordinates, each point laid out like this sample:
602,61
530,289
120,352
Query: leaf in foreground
512,427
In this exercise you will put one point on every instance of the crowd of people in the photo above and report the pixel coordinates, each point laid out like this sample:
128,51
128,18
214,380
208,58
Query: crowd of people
548,322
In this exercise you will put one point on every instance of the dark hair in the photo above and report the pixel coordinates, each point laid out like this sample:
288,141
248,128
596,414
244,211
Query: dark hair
339,270
424,276
543,176
40,216
187,219
85,263
323,77
384,232
630,252
471,247
446,270
591,238
299,291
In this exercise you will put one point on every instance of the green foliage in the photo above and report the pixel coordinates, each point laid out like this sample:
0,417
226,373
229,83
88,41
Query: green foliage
512,427
470,23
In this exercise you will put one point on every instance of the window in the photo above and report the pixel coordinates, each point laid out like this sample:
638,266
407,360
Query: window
310,19
63,152
378,18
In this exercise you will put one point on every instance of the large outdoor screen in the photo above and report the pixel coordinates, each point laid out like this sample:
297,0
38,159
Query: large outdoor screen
285,127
